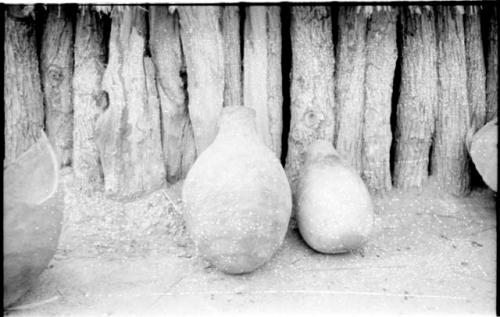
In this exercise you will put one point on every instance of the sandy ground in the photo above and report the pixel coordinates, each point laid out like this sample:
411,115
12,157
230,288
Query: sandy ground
430,254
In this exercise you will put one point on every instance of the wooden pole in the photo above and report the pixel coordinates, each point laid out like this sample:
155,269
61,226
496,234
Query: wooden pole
312,86
129,138
23,99
262,90
177,133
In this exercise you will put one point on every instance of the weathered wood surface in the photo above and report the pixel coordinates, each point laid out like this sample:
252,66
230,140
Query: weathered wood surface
349,83
262,84
129,138
202,43
381,55
177,133
232,56
475,63
312,84
450,162
89,100
492,62
415,109
23,99
166,109
56,61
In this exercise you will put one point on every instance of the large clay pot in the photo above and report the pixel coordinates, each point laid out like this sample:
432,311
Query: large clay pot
32,214
237,197
334,207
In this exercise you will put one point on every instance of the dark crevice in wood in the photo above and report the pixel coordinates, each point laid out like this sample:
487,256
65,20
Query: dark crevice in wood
40,17
106,21
286,65
395,93
243,13
183,72
147,30
335,30
431,153
484,11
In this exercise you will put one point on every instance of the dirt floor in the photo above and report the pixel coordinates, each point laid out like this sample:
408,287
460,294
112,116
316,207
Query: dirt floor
430,254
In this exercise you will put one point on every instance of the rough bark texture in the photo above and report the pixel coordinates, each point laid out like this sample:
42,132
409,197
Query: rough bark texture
476,76
349,87
450,163
492,73
417,98
23,98
262,72
56,59
381,55
232,56
201,36
312,87
88,97
177,132
129,138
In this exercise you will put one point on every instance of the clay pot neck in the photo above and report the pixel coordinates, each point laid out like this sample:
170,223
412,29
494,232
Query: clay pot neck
238,121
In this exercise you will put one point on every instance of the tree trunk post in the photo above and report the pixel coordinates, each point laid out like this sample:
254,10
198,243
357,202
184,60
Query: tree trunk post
312,83
381,56
476,73
129,138
350,81
56,58
88,97
450,163
262,72
177,133
232,56
492,62
201,37
23,97
415,109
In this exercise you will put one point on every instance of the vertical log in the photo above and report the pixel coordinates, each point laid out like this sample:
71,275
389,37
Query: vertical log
492,61
417,98
476,74
450,163
129,138
262,72
381,55
350,79
88,97
22,89
232,56
201,36
177,132
56,58
312,87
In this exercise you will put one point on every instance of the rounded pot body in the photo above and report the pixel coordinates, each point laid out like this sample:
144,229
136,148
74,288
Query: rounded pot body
237,197
334,207
484,153
32,213
31,235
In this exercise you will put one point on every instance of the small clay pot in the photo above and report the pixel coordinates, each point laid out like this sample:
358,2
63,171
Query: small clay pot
237,197
334,207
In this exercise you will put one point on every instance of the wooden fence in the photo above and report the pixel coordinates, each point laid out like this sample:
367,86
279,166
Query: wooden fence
131,95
